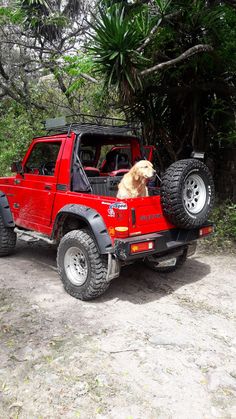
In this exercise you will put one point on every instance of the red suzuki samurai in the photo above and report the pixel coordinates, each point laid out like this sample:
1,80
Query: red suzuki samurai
64,192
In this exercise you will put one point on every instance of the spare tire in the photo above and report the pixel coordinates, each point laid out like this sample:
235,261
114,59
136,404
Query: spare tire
187,193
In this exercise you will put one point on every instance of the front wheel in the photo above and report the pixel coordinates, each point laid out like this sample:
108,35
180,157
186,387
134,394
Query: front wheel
7,239
81,267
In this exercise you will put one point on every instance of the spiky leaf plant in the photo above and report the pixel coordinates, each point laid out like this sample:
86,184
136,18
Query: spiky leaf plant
116,39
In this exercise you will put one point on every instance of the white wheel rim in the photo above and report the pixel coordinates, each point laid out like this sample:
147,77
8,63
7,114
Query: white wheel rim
76,266
194,194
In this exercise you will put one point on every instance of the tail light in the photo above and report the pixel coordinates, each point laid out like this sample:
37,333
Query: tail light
204,231
141,247
121,232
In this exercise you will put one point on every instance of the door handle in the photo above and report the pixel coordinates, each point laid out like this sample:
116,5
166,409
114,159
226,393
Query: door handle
48,187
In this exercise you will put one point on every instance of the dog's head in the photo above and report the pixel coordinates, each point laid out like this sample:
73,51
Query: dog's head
143,170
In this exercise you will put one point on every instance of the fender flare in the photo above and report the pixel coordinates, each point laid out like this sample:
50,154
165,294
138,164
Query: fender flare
5,211
93,219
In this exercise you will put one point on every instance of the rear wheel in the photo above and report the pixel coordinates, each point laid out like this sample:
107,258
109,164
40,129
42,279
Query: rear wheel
187,193
81,267
7,239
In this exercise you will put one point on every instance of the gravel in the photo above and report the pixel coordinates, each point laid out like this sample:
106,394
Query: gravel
153,346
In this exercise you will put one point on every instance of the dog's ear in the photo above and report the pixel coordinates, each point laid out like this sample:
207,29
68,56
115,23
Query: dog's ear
135,173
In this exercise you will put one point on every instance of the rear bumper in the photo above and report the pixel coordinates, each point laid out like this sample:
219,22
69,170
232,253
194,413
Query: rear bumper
165,243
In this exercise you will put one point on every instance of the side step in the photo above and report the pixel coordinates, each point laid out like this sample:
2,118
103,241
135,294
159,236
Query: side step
33,234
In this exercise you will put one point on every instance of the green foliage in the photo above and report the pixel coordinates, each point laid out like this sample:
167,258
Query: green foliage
10,15
47,19
189,105
163,5
224,238
37,3
42,19
229,137
74,66
17,128
115,44
225,31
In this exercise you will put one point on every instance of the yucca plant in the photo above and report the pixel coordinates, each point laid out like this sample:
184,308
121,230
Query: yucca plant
116,39
175,99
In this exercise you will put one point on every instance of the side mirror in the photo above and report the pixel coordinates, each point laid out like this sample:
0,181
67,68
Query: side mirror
17,167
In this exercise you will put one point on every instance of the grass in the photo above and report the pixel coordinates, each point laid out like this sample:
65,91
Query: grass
224,238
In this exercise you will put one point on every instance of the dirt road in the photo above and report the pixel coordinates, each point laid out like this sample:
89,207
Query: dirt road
154,346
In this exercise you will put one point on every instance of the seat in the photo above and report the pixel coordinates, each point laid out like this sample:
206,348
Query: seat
91,171
120,172
122,161
86,157
116,161
110,161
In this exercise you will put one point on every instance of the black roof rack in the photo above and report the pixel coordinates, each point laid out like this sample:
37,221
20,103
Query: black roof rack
93,124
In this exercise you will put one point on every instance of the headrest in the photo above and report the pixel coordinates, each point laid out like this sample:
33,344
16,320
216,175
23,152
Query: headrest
91,171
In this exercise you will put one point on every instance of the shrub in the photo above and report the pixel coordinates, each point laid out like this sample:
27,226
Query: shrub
224,217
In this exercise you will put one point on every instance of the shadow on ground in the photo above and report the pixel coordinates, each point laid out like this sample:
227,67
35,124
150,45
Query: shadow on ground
136,283
140,285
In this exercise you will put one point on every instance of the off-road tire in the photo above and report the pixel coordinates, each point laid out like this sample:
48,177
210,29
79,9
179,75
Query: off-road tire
180,260
176,205
95,283
7,239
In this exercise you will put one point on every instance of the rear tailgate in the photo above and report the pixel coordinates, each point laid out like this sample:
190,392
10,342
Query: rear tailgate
150,232
146,216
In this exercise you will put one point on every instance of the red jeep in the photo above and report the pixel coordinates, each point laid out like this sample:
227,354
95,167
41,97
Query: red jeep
64,192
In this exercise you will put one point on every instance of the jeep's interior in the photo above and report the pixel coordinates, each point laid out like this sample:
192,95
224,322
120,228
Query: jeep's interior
102,160
42,159
108,153
99,161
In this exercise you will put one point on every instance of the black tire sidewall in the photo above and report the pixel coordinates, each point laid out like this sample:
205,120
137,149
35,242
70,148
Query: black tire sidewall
66,245
7,239
172,197
96,283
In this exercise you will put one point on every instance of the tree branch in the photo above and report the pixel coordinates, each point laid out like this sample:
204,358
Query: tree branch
8,92
3,73
89,78
148,39
191,51
20,98
155,28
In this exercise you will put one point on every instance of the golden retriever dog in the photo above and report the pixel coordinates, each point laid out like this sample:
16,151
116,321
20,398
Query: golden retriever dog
133,184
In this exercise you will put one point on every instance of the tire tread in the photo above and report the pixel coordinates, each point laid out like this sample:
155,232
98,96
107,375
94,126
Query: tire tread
96,284
7,239
171,193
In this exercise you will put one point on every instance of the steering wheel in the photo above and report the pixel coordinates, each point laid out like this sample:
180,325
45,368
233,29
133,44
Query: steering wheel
47,168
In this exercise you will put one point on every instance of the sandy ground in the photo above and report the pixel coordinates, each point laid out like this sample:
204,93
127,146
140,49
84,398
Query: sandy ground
154,346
